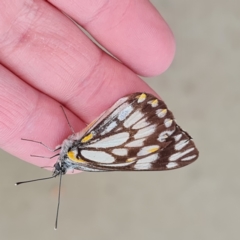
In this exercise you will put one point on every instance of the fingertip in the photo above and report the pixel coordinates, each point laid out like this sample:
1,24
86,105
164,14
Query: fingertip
159,56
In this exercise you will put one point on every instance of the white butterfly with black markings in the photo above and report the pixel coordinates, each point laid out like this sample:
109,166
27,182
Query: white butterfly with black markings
138,133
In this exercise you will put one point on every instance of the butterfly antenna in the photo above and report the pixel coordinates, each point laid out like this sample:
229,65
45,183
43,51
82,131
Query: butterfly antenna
50,149
34,180
67,120
45,156
59,195
46,167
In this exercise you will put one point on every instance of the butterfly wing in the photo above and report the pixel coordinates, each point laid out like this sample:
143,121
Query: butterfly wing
137,133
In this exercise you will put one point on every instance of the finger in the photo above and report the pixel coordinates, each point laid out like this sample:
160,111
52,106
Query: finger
27,113
48,51
133,31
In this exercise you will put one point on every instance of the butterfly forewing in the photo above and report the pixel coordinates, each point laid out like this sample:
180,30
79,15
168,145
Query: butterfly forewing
137,133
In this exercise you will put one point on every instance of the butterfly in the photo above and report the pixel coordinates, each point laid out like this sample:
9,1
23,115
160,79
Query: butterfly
138,133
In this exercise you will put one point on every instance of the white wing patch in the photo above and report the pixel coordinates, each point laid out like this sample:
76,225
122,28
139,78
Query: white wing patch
178,155
125,112
142,123
181,145
109,128
133,118
189,158
118,164
178,137
136,143
145,132
172,165
120,151
168,122
98,156
144,166
147,150
148,159
146,163
111,141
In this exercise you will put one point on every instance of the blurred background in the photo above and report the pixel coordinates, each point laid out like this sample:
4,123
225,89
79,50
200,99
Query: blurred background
201,201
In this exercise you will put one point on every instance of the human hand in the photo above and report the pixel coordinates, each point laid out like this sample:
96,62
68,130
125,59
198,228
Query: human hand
47,61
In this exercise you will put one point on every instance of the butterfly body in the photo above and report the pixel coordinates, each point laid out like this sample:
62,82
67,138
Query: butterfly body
138,133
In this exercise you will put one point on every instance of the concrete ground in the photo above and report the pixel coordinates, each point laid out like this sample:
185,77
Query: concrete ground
201,201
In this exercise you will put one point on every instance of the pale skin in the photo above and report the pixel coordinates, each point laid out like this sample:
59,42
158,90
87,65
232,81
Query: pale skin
47,61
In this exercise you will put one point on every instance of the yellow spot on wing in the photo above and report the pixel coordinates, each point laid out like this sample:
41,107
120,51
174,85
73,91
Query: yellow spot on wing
164,111
154,103
87,138
152,150
161,112
73,157
141,97
130,159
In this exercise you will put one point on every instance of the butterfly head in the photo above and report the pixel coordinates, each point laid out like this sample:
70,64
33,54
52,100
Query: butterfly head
59,168
68,156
